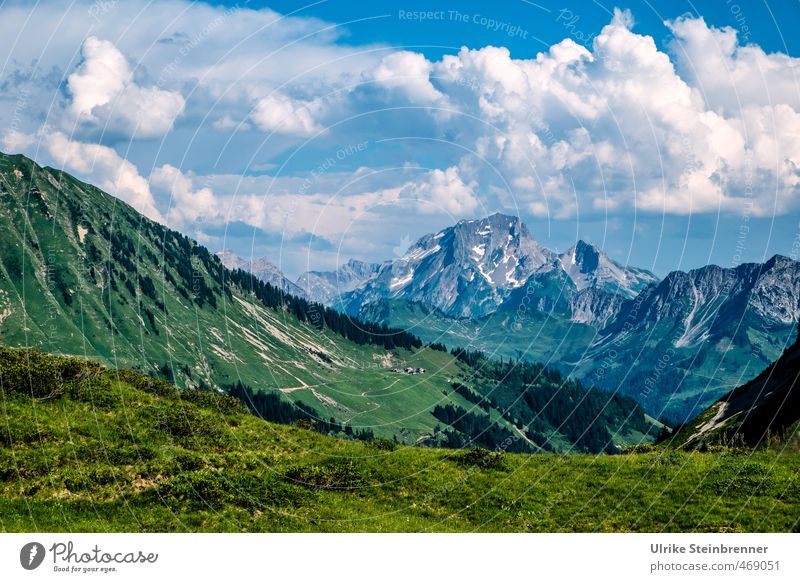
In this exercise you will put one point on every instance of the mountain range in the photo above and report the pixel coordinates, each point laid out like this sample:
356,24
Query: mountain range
675,345
84,274
263,269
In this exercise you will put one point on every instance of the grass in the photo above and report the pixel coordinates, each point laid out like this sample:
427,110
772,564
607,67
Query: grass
117,452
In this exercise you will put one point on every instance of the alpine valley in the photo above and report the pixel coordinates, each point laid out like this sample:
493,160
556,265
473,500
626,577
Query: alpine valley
675,345
143,416
85,275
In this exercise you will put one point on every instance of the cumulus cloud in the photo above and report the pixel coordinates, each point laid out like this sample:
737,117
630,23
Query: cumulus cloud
443,191
617,127
280,114
604,130
187,204
408,74
105,95
17,141
107,169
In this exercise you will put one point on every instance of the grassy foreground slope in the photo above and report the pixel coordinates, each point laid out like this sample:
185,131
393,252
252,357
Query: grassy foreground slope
83,448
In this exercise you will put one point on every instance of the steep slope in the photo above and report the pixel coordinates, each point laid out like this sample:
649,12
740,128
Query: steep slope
84,274
325,286
263,269
681,344
765,407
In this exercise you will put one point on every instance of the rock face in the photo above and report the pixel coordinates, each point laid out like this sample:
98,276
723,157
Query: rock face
262,269
325,286
589,267
712,302
465,270
583,284
682,343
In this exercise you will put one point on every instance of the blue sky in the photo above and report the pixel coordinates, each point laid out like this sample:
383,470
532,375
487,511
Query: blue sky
665,132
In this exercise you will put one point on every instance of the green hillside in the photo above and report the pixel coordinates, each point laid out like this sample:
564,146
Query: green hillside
82,273
764,410
669,382
84,448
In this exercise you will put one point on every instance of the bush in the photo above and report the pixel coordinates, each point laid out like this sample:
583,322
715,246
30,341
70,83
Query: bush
184,421
196,489
334,475
483,458
219,402
97,391
39,375
146,383
382,444
741,478
206,488
91,479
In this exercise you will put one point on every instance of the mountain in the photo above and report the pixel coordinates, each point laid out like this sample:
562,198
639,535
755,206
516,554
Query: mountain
478,267
325,286
589,267
263,269
84,274
583,284
766,407
682,343
676,347
465,270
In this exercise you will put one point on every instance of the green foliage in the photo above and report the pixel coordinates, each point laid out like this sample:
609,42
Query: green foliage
145,383
185,421
383,444
219,402
741,477
337,475
481,458
42,376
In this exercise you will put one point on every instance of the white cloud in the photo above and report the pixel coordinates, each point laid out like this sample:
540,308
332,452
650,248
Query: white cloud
443,191
106,168
409,74
17,141
728,75
105,95
576,131
187,204
282,115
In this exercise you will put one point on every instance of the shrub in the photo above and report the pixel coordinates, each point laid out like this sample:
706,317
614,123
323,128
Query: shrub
207,399
479,457
146,383
196,489
382,444
27,371
90,479
97,391
184,421
741,478
335,475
